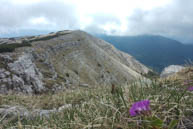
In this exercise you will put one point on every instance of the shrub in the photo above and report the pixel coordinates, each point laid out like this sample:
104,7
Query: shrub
12,47
151,74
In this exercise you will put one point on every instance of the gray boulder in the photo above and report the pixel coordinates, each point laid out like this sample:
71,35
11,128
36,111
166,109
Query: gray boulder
170,70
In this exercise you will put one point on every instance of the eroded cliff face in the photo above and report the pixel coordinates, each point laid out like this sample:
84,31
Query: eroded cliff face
65,59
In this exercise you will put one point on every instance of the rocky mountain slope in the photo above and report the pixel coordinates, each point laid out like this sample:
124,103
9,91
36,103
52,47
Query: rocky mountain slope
64,59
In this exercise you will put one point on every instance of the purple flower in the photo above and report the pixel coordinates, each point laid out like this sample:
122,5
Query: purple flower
190,88
140,107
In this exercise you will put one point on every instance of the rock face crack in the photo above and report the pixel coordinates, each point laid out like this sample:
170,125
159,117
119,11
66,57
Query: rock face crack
23,76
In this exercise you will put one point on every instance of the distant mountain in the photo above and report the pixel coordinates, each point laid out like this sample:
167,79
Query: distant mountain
156,52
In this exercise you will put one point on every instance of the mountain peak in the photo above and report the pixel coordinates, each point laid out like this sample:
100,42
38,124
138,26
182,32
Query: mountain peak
65,59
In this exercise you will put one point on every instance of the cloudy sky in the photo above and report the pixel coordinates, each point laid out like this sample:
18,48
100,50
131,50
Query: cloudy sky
171,18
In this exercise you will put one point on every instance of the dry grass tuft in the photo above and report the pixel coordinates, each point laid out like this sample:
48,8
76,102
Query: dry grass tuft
108,107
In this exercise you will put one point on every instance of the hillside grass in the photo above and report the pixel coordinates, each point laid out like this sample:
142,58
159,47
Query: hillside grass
101,108
108,107
12,47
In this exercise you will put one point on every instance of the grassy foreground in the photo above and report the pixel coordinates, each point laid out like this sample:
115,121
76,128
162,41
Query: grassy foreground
108,107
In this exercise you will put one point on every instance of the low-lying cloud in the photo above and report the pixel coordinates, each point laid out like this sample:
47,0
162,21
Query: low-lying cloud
172,20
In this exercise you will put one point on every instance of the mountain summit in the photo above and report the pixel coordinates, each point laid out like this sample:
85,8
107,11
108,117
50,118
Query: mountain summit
64,59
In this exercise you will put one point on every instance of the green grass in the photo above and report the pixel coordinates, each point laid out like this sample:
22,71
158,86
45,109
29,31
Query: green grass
12,47
171,107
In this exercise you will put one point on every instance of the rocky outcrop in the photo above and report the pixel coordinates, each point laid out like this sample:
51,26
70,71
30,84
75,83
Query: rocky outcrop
15,112
20,75
65,59
170,70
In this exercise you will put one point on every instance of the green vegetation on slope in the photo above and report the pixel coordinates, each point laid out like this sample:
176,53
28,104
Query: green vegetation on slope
12,47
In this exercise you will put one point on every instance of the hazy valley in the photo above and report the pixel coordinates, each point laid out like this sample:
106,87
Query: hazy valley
157,52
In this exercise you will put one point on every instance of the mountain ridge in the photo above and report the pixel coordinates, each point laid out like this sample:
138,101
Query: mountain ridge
65,59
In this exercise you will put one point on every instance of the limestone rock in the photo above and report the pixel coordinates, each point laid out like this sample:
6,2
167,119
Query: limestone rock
7,111
170,70
65,59
15,112
20,75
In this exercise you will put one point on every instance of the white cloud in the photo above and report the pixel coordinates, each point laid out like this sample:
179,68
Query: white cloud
39,20
37,15
123,17
174,20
